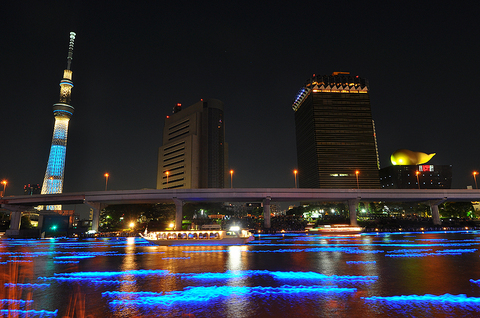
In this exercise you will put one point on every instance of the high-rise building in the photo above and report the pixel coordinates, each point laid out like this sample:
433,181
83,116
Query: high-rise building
63,111
193,154
335,134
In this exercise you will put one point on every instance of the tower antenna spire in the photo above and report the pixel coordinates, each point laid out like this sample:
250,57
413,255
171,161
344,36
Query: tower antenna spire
70,49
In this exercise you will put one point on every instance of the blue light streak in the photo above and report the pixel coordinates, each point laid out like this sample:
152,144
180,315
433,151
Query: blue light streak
277,275
74,256
29,313
205,294
89,280
361,262
446,298
66,262
26,285
15,301
139,272
413,253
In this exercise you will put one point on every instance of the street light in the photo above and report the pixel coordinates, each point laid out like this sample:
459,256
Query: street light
167,173
106,175
4,182
295,174
418,182
475,178
356,175
231,178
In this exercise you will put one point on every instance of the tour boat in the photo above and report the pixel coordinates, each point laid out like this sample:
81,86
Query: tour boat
336,229
208,235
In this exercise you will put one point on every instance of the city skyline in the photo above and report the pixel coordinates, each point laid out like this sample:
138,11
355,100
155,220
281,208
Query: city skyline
134,63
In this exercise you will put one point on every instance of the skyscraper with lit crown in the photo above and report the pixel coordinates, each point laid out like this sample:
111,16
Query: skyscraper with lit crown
63,111
336,143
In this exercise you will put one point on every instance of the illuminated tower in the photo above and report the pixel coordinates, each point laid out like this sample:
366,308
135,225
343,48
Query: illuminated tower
53,181
335,133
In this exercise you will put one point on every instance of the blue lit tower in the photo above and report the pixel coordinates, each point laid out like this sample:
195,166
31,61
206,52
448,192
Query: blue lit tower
53,181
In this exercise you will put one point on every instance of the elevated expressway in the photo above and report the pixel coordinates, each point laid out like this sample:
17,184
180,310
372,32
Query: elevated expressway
352,197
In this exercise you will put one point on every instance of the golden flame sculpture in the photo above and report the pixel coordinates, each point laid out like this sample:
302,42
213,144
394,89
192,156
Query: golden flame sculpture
404,157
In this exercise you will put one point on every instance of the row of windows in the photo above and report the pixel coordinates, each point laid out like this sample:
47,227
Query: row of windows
352,108
174,163
182,134
175,157
354,132
173,151
319,112
181,123
355,104
175,145
179,130
172,175
173,169
340,119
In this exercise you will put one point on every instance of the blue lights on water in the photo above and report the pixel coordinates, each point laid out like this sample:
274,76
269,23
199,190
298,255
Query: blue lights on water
205,294
88,280
28,313
411,251
279,275
15,301
421,253
26,285
347,250
74,257
446,298
318,272
138,272
66,262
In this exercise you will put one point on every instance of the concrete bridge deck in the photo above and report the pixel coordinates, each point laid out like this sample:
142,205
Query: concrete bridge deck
266,195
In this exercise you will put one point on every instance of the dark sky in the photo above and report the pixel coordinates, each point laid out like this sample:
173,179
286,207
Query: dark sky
134,60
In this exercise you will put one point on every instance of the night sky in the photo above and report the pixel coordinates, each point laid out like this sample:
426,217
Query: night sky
134,60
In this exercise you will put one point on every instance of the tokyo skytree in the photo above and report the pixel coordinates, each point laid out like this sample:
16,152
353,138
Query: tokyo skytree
63,111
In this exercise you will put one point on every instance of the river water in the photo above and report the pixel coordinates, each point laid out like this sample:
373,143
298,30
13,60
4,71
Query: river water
434,274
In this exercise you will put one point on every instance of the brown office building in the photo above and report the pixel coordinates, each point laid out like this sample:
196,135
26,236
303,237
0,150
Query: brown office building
335,134
193,154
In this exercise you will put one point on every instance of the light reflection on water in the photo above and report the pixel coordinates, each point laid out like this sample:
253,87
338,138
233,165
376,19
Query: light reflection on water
378,275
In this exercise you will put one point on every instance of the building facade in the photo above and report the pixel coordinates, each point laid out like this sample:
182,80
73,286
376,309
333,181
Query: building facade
335,134
416,177
63,111
193,154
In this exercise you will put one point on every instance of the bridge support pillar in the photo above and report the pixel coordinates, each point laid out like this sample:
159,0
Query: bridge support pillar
266,212
95,209
15,220
435,212
352,208
178,213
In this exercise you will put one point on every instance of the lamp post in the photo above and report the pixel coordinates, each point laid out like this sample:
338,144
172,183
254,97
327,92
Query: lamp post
295,172
356,175
4,182
106,175
231,179
418,182
167,173
475,178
